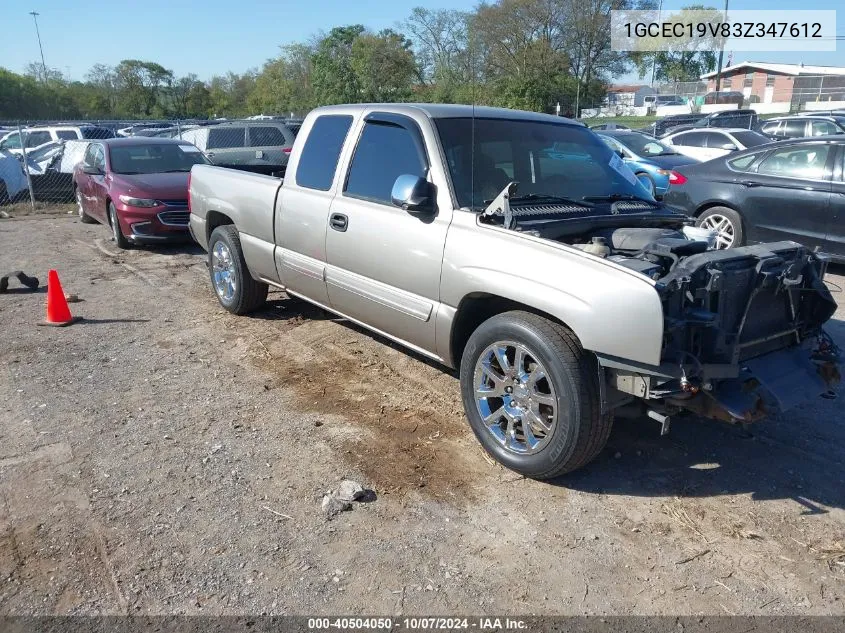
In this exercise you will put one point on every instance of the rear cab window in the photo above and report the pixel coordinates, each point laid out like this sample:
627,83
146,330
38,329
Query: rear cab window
66,135
318,158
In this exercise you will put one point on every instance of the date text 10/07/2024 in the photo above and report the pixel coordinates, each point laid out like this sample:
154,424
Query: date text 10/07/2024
418,624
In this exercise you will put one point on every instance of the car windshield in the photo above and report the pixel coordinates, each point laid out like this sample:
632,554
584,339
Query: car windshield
154,158
751,138
547,159
643,145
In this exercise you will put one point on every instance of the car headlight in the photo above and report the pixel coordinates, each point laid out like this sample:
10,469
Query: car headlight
138,202
663,172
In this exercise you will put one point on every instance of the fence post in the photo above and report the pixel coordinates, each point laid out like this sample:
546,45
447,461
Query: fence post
26,167
178,128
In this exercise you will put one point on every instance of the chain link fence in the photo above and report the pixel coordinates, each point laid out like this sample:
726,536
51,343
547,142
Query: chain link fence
37,158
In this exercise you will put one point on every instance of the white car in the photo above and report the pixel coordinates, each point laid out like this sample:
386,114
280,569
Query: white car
37,136
709,143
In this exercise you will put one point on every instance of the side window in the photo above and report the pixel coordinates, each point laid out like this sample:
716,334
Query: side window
223,137
66,135
375,168
13,142
770,127
693,139
793,128
743,162
99,157
820,128
318,158
34,139
719,141
800,162
266,136
88,158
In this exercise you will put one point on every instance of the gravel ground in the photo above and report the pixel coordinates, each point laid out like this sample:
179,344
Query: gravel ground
165,457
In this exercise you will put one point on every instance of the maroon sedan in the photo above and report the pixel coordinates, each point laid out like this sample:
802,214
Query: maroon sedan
138,186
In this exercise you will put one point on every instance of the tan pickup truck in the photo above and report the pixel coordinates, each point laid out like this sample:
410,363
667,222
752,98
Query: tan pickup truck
518,248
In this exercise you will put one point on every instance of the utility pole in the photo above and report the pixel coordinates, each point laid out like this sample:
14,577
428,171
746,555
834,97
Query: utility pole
721,53
654,61
35,15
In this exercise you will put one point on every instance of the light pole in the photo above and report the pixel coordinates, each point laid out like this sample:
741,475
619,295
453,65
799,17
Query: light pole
654,61
35,15
721,53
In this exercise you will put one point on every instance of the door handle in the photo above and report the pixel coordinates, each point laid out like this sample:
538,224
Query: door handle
210,154
339,222
749,183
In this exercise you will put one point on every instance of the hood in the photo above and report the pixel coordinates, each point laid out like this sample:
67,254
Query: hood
672,160
159,186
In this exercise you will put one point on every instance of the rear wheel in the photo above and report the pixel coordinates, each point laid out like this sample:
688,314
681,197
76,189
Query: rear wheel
727,225
117,232
236,290
531,395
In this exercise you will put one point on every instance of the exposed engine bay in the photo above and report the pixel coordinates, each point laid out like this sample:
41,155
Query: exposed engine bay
742,327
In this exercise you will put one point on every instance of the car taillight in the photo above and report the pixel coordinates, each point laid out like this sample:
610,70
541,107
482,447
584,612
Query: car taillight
677,178
286,150
189,192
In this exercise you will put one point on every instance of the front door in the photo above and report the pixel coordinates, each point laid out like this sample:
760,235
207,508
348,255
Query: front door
790,195
384,262
98,192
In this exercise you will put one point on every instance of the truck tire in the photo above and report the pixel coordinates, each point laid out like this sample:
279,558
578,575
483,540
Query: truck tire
531,394
728,226
235,288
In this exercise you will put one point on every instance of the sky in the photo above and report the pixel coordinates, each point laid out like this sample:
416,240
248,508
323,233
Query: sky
215,36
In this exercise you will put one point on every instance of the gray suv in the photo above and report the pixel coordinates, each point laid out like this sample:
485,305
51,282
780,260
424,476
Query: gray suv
258,146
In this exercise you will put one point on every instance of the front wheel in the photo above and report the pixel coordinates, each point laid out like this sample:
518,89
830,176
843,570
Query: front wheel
531,395
726,223
236,290
119,239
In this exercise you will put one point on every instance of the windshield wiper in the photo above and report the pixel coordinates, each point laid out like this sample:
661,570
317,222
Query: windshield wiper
542,197
613,197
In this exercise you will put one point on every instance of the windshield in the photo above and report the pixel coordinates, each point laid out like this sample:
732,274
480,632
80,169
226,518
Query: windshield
154,158
547,159
751,139
642,145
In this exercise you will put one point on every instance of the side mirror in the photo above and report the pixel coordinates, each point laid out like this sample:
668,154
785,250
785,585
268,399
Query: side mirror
620,153
413,193
729,146
91,170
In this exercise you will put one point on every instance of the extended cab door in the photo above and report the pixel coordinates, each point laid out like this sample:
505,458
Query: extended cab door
384,262
302,209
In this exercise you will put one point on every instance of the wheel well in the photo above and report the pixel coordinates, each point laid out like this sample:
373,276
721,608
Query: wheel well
213,219
108,215
476,308
709,205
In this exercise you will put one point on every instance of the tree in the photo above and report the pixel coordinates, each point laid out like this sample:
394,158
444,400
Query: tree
682,60
334,77
383,66
140,84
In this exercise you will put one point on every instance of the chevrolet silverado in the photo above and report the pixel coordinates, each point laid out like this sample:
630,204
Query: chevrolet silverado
519,249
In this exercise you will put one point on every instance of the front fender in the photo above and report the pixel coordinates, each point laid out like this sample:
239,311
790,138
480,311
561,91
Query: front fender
612,310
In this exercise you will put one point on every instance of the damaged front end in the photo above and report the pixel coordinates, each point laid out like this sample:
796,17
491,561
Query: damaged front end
743,334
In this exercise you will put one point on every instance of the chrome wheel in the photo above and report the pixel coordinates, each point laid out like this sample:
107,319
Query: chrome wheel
724,228
223,272
515,397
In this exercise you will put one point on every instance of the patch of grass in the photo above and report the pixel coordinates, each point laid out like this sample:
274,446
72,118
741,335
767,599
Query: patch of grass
20,209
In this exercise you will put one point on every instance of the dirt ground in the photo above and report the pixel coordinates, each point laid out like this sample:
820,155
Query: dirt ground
166,457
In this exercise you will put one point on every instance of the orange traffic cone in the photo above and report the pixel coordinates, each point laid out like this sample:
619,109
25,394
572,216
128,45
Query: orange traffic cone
58,312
